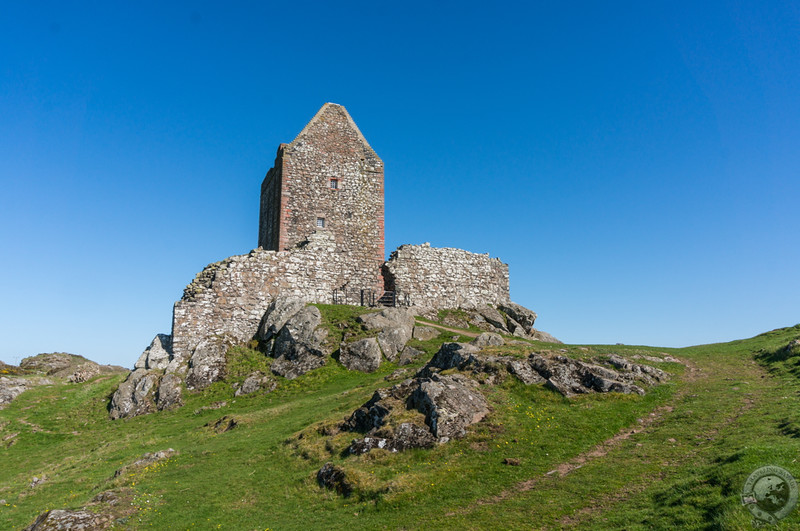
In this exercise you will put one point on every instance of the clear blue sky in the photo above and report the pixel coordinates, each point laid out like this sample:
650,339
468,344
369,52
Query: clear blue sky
635,163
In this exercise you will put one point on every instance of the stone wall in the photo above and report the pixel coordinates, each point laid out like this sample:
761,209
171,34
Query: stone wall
446,277
230,297
330,176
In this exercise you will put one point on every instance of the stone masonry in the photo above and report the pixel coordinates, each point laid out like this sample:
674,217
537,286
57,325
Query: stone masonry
446,277
328,179
321,229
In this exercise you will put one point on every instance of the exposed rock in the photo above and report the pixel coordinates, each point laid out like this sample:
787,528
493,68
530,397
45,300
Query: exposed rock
59,519
396,327
11,387
50,364
170,392
389,317
513,461
84,372
333,477
157,355
406,435
207,364
279,311
255,382
454,321
134,396
521,315
450,404
487,339
298,346
538,335
372,415
216,405
36,481
363,355
793,347
450,355
409,355
424,333
646,373
222,425
493,317
570,377
146,460
522,369
397,375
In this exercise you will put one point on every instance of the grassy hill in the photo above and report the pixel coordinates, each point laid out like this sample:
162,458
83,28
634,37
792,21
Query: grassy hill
677,457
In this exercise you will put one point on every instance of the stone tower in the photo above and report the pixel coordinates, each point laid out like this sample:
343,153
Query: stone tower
328,184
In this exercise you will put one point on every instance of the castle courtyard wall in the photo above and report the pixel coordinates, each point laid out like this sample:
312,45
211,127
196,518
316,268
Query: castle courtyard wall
445,277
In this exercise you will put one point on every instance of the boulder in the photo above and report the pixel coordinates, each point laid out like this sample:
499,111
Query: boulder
521,315
424,333
299,346
450,404
278,313
407,435
134,396
451,355
524,372
395,325
488,339
255,382
64,519
157,355
409,355
389,317
170,392
208,362
333,477
494,318
363,355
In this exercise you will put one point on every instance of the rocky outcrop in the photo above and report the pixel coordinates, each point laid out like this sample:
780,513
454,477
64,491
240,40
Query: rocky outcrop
363,355
13,386
208,362
146,460
65,519
488,339
333,477
298,346
157,355
424,333
560,373
450,404
395,326
170,392
71,367
255,381
134,396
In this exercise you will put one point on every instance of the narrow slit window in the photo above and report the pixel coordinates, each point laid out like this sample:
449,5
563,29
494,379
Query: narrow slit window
334,184
321,223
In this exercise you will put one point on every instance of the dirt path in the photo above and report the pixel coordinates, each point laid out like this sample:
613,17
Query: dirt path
454,330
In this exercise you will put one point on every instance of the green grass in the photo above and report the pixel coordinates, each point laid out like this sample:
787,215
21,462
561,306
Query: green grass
736,412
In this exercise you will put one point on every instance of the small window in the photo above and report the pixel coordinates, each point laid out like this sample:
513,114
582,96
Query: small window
321,223
334,184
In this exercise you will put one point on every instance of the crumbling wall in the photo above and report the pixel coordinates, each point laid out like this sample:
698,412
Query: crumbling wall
230,297
445,277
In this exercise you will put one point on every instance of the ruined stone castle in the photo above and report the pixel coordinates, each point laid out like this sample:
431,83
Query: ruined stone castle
321,239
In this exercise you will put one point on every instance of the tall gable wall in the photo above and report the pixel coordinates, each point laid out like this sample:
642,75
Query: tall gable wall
446,277
297,192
